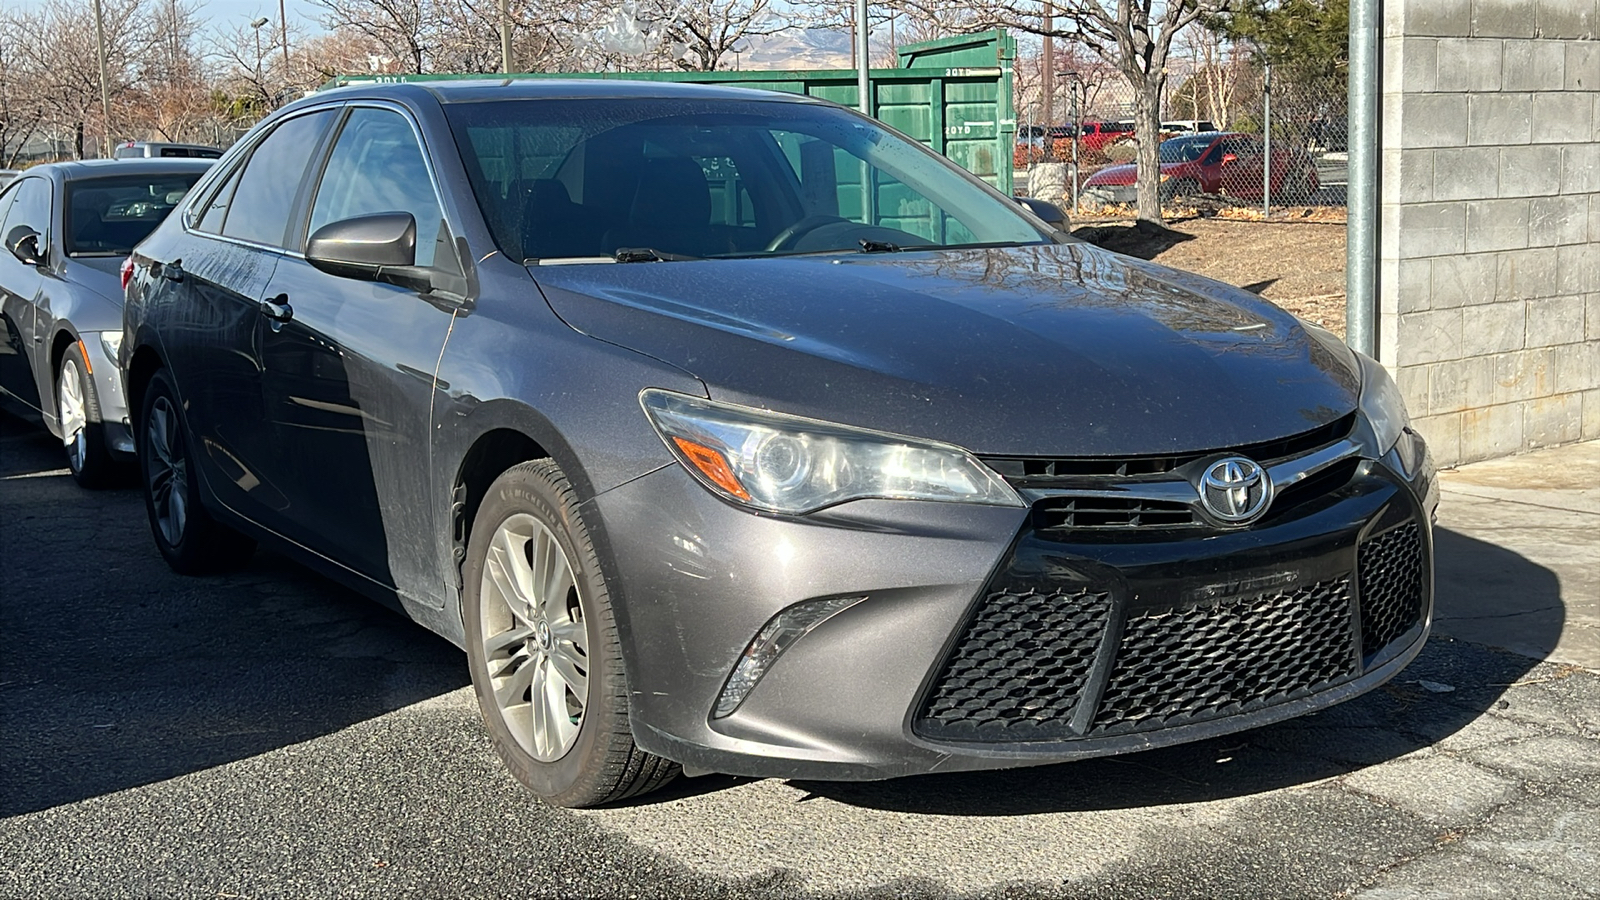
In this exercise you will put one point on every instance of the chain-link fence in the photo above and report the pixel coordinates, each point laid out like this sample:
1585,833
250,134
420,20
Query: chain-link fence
1234,135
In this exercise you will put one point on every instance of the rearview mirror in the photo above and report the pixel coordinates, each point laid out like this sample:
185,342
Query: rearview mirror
1049,212
380,247
23,242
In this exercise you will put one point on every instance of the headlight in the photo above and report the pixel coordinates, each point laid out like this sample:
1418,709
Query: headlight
111,342
792,465
1381,404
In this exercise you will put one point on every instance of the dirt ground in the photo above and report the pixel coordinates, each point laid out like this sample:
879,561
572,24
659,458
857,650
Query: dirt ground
1299,265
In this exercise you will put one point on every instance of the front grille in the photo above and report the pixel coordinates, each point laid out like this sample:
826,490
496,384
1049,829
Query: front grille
1391,586
1034,471
1019,671
1063,513
1203,662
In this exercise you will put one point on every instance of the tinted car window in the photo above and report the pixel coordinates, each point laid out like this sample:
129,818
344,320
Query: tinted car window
259,208
108,216
377,167
211,215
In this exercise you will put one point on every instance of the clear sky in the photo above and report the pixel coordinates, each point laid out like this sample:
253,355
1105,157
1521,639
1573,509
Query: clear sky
225,13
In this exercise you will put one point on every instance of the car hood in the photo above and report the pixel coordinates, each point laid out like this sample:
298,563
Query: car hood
1043,350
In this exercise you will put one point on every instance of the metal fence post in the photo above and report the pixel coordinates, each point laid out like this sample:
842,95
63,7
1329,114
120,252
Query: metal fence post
1266,135
1361,247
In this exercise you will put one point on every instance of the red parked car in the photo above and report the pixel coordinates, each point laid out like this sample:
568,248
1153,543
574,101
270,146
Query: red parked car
1218,162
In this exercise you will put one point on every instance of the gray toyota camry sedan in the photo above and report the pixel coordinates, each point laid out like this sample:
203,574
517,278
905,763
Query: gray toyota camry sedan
731,431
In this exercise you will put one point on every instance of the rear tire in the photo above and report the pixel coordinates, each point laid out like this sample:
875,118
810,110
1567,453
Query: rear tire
542,646
82,432
1179,189
190,540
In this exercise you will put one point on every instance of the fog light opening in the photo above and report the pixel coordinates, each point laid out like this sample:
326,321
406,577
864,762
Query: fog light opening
778,635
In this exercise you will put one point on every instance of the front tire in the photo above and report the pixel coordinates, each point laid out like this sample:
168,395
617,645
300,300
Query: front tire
542,646
82,432
190,540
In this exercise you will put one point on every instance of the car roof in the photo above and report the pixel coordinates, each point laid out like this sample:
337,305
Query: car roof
166,144
468,90
76,170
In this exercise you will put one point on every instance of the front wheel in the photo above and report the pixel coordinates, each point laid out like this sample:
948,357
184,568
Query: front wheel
542,646
190,540
82,432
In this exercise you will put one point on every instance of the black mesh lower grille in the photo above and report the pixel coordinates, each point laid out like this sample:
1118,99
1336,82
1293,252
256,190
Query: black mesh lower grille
1195,663
1019,671
1391,586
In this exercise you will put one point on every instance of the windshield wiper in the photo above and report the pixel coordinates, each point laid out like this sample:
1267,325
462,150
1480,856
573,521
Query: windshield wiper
868,245
648,254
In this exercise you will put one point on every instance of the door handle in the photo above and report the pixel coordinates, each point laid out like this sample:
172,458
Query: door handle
173,271
277,309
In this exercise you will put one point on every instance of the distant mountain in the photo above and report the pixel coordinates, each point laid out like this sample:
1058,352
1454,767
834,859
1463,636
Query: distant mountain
798,48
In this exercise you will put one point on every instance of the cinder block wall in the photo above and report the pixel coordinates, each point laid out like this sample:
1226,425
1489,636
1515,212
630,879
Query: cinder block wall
1490,245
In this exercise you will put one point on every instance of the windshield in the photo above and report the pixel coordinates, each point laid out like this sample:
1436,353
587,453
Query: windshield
108,216
1182,150
585,179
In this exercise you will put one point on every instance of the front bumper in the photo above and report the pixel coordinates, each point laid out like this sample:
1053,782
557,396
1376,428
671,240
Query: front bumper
1193,636
1111,193
108,392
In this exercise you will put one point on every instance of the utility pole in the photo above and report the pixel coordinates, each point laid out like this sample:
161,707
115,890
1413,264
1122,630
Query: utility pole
505,37
283,23
105,80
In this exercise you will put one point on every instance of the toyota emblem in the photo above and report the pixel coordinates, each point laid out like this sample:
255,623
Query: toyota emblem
1235,490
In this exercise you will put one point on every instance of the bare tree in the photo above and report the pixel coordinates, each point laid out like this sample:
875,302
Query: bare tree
403,28
1135,36
59,64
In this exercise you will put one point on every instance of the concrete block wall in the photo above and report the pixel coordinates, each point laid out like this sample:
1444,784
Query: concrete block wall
1490,245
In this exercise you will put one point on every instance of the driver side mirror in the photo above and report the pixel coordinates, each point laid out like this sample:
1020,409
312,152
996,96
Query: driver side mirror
23,242
381,247
1049,212
1230,157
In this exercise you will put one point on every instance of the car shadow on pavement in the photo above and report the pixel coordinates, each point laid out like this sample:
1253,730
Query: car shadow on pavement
1449,686
116,672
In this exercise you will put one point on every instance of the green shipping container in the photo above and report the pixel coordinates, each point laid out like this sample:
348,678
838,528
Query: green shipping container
953,94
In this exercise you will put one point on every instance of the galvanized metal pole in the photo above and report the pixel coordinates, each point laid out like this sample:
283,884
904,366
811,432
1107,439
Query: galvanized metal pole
1362,136
1077,127
505,37
1266,140
863,85
105,80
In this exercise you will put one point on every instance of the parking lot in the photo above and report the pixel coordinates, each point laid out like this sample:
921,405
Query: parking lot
270,734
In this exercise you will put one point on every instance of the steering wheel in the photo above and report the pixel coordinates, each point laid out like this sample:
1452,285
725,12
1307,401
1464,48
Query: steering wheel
786,238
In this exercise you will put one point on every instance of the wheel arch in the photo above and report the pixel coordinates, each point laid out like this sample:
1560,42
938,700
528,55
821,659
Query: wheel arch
142,367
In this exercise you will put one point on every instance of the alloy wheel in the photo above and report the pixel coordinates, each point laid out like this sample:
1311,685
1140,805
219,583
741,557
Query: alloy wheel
166,470
534,637
73,413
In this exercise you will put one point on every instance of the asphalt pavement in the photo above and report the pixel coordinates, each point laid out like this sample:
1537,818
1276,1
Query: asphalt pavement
269,734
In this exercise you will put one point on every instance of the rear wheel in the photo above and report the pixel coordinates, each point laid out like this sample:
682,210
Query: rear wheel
542,646
82,433
1178,189
190,540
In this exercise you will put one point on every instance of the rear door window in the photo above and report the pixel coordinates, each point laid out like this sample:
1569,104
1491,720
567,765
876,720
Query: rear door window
258,209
